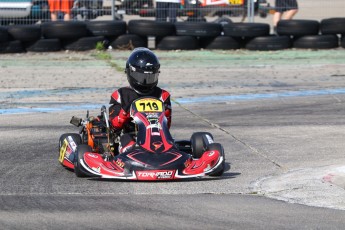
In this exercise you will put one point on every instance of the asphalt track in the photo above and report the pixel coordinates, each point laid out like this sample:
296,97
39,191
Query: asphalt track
279,116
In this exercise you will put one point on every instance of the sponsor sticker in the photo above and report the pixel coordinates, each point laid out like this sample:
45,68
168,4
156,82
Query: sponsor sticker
155,175
92,155
120,163
209,139
72,143
157,144
211,153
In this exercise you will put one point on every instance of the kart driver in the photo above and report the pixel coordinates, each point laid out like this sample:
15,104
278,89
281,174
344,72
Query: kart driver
142,69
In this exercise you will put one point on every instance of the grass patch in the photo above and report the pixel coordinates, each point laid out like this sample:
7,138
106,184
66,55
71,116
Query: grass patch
100,46
116,66
103,55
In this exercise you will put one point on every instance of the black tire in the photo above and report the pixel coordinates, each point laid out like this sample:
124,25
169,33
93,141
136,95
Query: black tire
44,45
25,33
198,29
4,36
246,29
223,21
317,42
342,41
107,28
75,136
220,170
220,42
151,28
128,42
298,27
199,142
78,169
332,26
83,44
178,43
269,43
68,30
12,47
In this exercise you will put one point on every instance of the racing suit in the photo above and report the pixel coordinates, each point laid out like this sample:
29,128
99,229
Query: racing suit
119,113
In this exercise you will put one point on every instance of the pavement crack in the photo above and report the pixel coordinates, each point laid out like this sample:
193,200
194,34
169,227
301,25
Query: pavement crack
256,151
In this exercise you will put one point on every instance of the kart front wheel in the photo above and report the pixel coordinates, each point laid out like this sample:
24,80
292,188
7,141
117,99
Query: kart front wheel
199,142
78,168
220,169
75,136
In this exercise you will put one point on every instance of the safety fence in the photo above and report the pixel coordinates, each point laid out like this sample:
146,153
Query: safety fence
38,11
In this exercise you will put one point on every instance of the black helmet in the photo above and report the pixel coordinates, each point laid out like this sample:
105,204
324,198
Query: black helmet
142,70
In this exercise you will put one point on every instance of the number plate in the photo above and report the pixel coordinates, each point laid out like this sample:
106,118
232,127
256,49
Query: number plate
149,105
63,150
236,2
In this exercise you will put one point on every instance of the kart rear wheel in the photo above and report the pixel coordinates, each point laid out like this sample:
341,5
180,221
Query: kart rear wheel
199,142
79,171
220,170
75,136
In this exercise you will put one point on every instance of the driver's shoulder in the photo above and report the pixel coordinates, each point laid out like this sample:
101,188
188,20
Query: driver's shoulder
163,94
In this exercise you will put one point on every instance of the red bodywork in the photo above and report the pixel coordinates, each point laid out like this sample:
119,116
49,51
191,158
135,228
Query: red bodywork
155,156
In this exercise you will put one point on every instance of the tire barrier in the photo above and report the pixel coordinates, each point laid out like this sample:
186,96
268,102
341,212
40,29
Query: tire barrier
332,26
267,43
129,42
64,30
44,45
198,29
178,43
85,35
328,41
150,28
298,27
83,44
108,29
246,30
25,33
220,43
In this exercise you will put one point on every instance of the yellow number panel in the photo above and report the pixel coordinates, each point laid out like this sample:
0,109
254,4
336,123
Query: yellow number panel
236,2
63,150
149,105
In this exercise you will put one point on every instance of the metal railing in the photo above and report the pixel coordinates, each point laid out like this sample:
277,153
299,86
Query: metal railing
36,11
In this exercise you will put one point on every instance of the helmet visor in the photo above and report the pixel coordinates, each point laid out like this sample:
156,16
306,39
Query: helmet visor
145,78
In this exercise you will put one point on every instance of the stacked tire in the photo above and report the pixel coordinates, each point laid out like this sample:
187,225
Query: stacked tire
334,26
82,36
223,35
256,36
140,30
11,44
56,36
305,34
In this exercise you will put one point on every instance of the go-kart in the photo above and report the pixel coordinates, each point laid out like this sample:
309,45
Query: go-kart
155,156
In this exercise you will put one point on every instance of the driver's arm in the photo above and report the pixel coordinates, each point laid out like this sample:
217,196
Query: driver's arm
117,115
167,106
